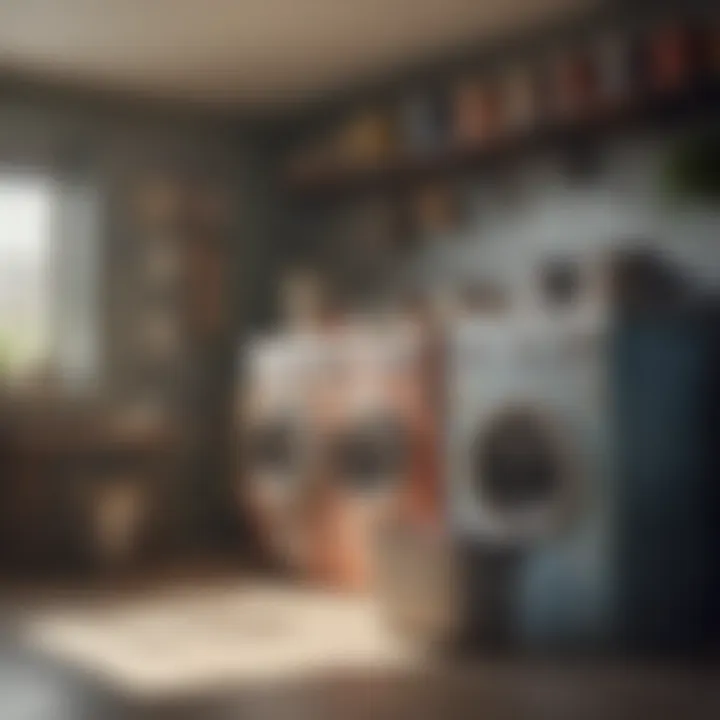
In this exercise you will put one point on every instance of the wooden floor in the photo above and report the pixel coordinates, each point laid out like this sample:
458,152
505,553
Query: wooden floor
34,687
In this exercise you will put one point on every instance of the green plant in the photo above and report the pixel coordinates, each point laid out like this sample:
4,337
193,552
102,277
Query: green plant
692,170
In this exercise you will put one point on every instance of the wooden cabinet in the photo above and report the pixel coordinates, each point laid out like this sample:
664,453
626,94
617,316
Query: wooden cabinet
57,474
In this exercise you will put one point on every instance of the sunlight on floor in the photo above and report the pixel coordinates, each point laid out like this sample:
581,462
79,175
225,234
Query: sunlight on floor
200,638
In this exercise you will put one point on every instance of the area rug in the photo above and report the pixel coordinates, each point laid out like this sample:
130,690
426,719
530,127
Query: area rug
195,639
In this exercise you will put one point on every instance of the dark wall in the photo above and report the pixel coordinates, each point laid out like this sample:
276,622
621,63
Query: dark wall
117,144
114,145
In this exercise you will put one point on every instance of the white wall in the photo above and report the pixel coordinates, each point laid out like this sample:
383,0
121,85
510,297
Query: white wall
538,208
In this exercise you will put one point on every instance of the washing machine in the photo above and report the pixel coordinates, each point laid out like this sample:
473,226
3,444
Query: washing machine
559,479
526,405
381,447
278,443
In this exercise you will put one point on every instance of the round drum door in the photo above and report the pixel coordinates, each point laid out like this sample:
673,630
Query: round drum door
366,459
369,455
523,478
275,459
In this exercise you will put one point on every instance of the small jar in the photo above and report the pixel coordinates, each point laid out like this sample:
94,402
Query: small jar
670,57
478,112
575,84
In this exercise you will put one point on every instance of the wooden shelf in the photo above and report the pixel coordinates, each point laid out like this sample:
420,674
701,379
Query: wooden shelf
403,173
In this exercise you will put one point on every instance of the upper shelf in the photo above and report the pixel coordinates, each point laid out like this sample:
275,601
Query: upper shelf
402,173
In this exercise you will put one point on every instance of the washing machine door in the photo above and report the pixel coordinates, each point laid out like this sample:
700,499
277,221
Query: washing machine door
275,462
275,454
366,458
523,480
370,456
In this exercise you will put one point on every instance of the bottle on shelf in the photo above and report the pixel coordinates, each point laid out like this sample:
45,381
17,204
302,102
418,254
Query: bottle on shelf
670,57
712,47
436,208
367,139
478,112
520,100
574,82
425,123
618,79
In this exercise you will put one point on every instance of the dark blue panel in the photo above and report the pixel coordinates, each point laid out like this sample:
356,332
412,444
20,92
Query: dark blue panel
666,395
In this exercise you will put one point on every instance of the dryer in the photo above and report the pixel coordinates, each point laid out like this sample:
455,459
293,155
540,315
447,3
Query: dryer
559,483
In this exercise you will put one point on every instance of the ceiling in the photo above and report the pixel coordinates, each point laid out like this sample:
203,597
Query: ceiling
242,51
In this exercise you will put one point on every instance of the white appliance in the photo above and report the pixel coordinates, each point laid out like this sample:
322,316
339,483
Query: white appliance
278,441
527,440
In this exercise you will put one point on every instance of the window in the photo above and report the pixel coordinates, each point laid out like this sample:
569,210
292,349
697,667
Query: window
48,274
25,221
